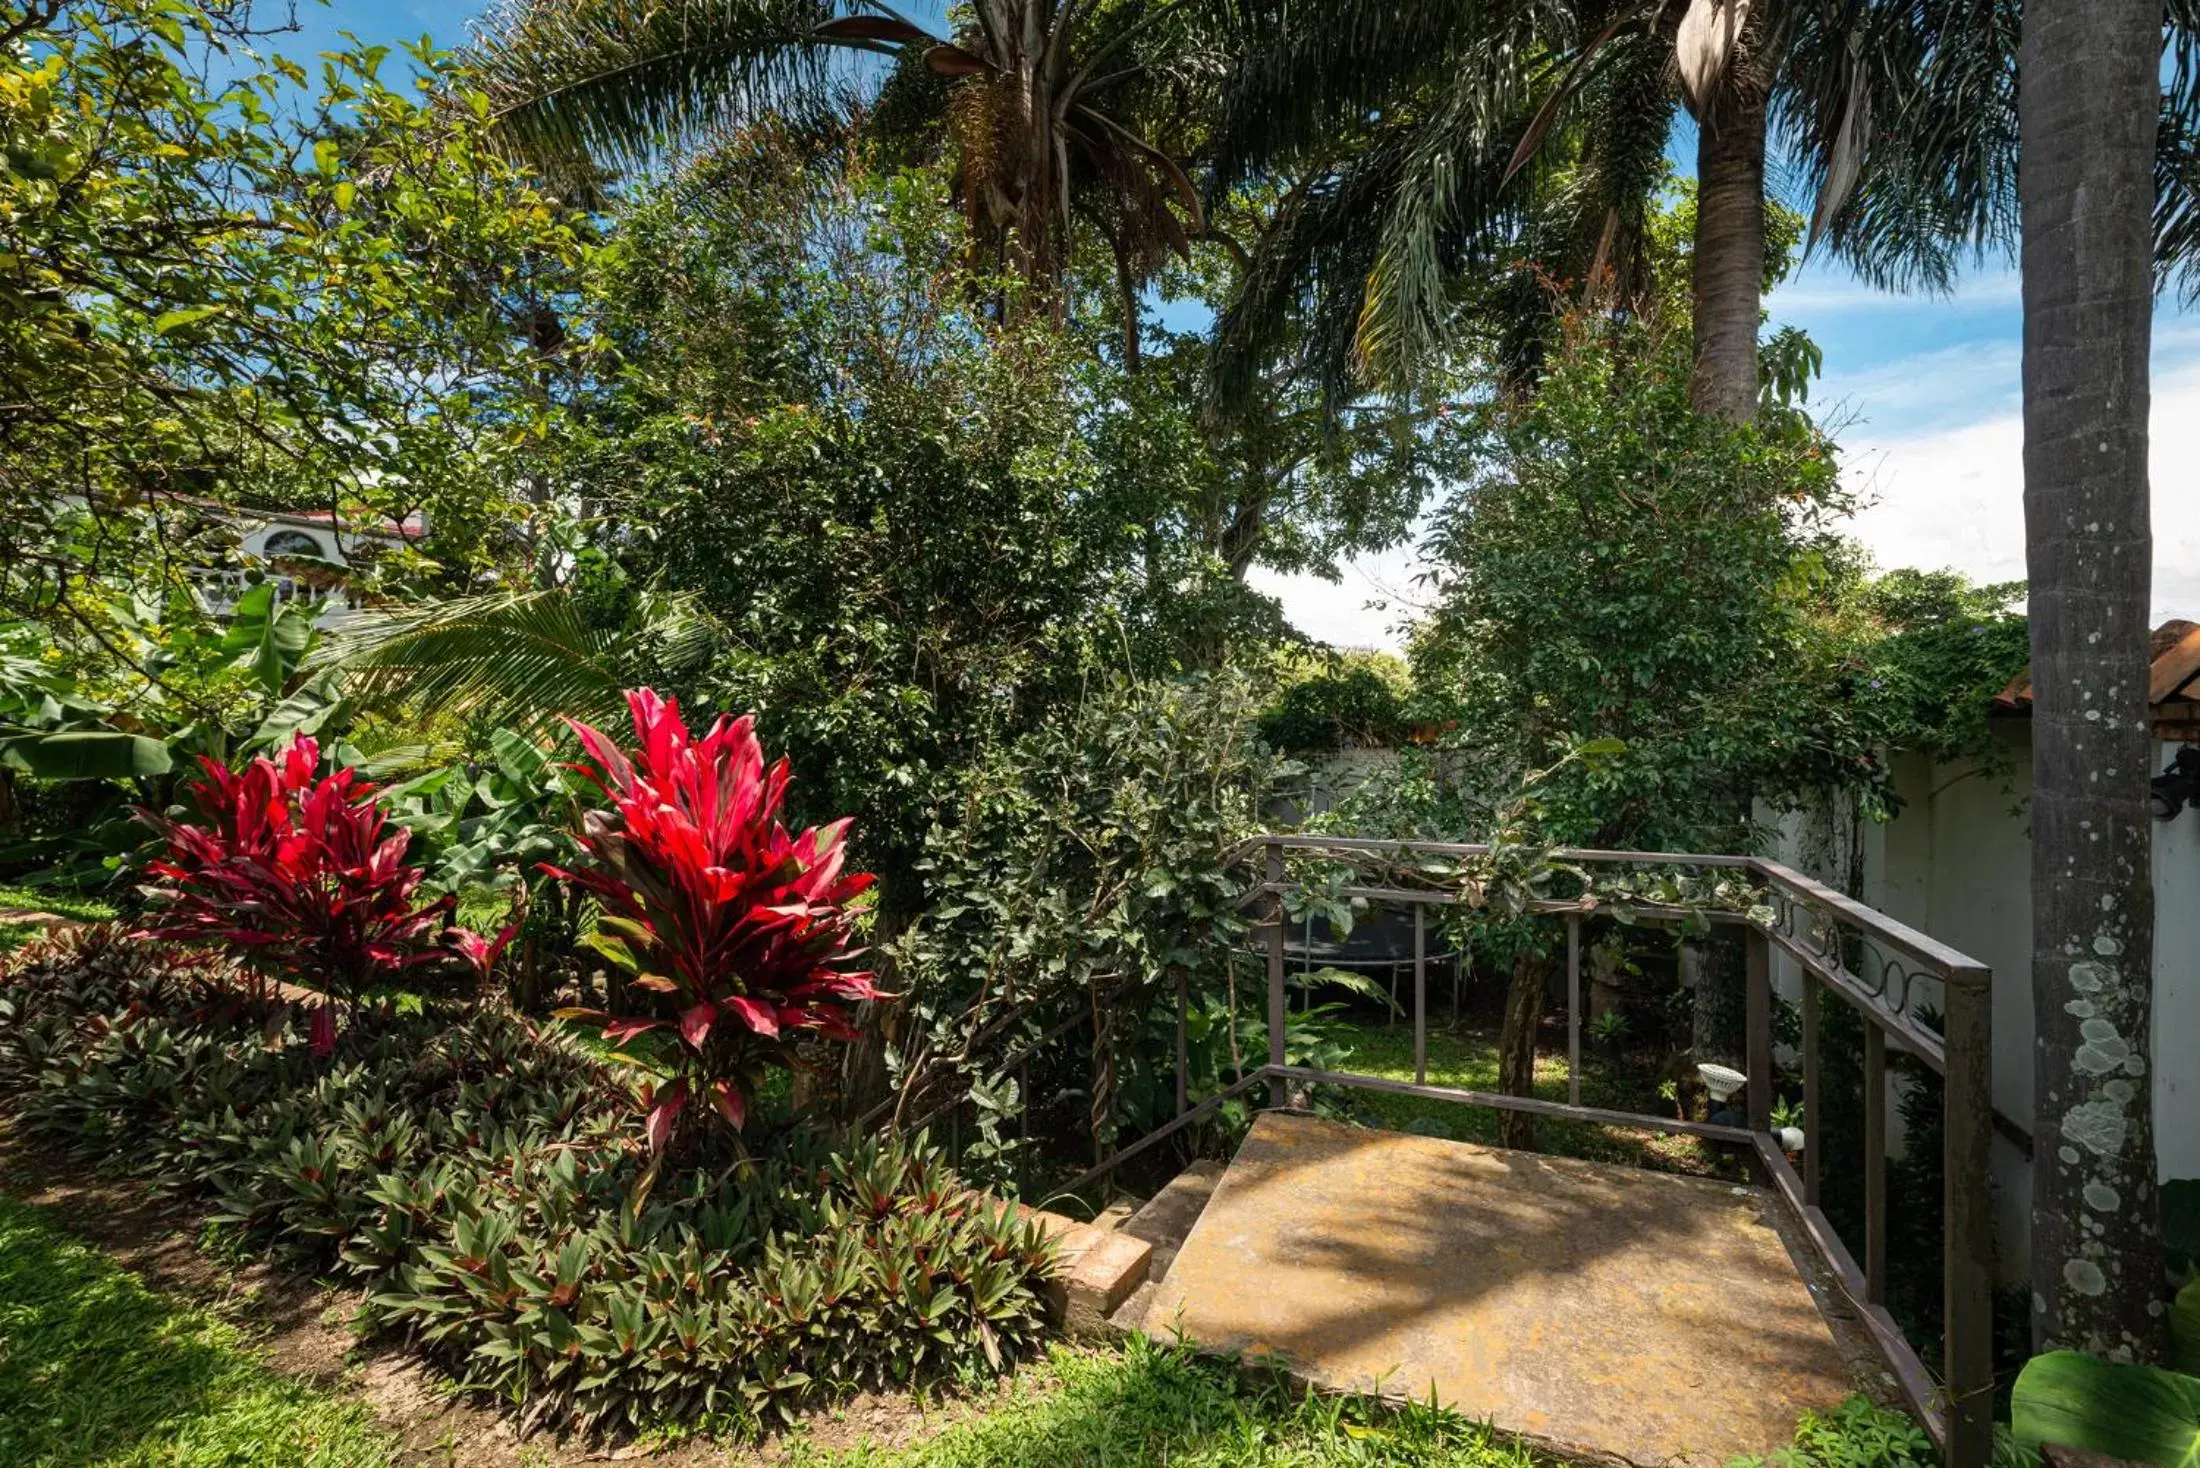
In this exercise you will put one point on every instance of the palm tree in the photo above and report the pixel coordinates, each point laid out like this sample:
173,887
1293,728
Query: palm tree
2087,122
1042,100
1473,136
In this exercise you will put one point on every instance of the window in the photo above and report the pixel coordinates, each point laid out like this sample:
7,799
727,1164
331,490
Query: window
293,543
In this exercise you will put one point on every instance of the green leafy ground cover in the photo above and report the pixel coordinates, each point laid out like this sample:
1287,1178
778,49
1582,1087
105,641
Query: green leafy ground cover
1468,1059
97,1369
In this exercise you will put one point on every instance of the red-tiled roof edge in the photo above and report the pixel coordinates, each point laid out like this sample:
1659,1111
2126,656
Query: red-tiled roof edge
2174,659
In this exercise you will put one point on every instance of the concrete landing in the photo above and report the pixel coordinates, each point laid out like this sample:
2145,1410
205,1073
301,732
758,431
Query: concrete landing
1604,1311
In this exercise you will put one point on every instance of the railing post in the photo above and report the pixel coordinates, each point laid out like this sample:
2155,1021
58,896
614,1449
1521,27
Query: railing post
1813,1130
1279,1090
1420,994
1183,1044
1573,1010
1757,1055
1875,1163
1968,1242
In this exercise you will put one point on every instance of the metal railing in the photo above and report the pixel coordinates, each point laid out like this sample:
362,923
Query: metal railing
1834,945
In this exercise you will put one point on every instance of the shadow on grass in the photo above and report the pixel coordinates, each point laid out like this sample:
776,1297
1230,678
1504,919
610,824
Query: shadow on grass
1469,1061
97,1369
1160,1404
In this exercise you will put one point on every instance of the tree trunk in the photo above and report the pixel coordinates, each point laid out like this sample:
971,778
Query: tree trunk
1728,274
2086,185
1516,1046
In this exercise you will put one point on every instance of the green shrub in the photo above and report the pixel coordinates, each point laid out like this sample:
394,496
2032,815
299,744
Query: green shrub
479,1182
1358,702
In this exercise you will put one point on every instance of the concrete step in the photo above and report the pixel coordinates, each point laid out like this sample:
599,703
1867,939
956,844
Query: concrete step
1598,1311
1167,1218
1163,1224
1099,1270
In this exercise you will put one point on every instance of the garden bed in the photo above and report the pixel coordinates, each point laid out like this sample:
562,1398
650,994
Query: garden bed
479,1187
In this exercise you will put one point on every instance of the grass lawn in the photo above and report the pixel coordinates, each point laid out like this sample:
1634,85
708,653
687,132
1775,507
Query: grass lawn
1144,1404
1148,1404
44,899
97,1369
1468,1059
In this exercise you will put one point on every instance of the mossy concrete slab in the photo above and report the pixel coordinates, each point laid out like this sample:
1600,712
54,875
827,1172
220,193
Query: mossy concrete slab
1604,1311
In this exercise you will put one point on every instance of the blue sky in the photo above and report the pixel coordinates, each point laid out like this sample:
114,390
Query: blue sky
1924,393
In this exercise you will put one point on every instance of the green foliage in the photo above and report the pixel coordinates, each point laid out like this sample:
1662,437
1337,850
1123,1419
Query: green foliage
491,822
1152,1403
891,503
2184,1329
519,660
1627,568
1938,650
226,285
480,1181
1086,870
1855,1434
1357,700
99,1369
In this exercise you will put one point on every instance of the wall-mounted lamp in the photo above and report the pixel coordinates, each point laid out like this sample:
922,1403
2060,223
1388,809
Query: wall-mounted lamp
2179,785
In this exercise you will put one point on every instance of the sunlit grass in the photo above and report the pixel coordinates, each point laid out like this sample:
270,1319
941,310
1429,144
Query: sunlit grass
1467,1059
44,899
97,1369
1146,1404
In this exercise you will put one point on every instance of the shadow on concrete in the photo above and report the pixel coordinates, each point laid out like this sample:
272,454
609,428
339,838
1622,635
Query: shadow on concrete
1601,1308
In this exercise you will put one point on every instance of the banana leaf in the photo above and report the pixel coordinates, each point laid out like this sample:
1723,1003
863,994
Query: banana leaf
2139,1414
85,754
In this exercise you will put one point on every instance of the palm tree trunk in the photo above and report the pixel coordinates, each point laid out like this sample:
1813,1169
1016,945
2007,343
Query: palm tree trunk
2086,187
1729,268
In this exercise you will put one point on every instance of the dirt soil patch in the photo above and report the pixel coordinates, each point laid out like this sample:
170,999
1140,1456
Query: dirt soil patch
303,1325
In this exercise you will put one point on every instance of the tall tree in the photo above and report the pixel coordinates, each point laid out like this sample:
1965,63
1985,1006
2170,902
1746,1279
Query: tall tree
2086,181
1439,142
1038,96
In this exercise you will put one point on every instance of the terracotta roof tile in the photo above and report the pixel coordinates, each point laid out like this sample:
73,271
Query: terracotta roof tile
2173,684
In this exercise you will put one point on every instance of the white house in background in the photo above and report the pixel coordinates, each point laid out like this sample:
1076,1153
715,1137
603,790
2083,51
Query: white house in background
305,553
1956,862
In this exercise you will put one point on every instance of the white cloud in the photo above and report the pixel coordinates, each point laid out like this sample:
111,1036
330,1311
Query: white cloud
1956,384
1956,497
1364,609
1827,291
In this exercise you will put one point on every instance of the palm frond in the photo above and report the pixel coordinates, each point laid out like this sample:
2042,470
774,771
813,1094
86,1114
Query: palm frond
1903,114
1310,71
2177,160
620,80
522,659
1296,305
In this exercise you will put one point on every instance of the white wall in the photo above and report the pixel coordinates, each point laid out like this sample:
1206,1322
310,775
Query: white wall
1956,862
1960,860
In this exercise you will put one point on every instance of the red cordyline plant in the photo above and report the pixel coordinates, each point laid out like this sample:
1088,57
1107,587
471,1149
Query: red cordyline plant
733,929
300,876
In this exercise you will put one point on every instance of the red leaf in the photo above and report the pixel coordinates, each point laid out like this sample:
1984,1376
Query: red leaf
695,1024
731,1104
739,916
664,1112
758,1017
